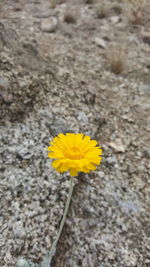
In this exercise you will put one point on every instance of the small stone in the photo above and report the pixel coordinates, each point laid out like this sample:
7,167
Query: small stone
4,84
101,174
146,39
23,153
49,24
18,229
58,126
100,42
22,263
147,153
117,145
131,260
111,255
144,89
82,117
111,160
114,19
4,90
131,169
43,218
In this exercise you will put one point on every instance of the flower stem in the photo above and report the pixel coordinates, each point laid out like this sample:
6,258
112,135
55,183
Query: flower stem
65,211
54,244
47,260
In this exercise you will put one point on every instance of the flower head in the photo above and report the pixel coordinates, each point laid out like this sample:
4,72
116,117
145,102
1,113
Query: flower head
75,153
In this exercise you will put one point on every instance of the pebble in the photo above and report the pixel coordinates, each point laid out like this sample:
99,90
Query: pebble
23,152
49,24
82,117
4,84
146,39
117,145
18,229
101,174
131,169
114,19
147,153
111,160
131,260
58,126
22,263
100,42
144,89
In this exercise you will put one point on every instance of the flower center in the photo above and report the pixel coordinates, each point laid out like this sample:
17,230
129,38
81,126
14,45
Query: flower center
74,153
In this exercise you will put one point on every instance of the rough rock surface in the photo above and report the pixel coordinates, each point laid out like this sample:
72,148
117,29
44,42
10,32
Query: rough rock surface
62,81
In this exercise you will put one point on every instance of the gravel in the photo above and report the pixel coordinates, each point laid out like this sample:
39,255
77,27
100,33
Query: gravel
62,82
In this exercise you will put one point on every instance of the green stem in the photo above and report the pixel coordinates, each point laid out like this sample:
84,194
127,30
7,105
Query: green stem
65,211
47,260
54,244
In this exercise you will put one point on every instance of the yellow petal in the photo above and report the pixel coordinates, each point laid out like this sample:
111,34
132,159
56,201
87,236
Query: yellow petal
60,168
73,163
57,141
95,150
85,141
63,139
70,139
85,169
52,155
83,162
73,172
91,167
93,153
78,139
96,160
59,146
56,150
64,167
90,145
56,163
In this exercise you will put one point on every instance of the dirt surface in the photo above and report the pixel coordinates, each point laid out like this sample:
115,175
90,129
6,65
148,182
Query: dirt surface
56,75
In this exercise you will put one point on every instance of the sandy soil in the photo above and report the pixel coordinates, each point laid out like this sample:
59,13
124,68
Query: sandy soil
84,67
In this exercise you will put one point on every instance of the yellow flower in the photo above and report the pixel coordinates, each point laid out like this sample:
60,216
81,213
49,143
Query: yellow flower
75,153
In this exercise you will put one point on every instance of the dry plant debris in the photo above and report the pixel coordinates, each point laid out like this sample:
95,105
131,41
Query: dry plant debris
70,16
102,10
136,11
117,56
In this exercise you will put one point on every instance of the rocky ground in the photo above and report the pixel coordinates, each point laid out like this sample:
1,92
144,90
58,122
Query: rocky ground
82,66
